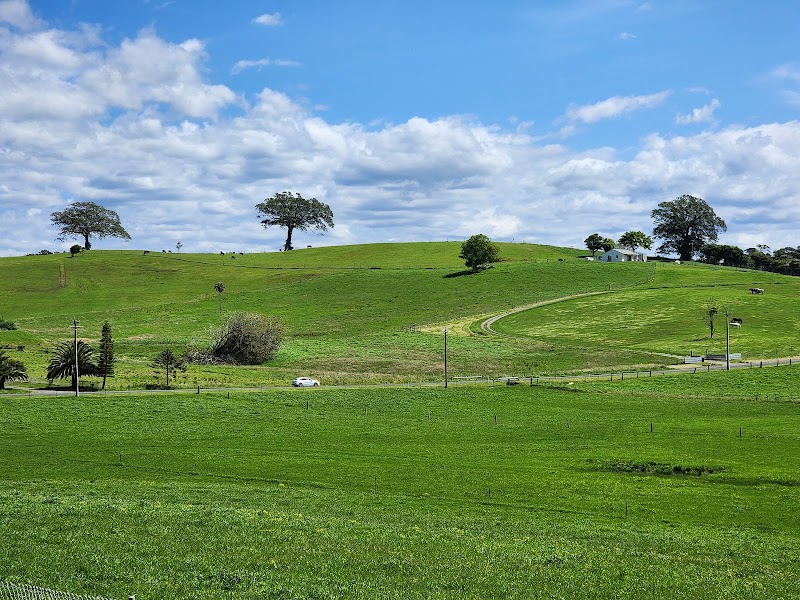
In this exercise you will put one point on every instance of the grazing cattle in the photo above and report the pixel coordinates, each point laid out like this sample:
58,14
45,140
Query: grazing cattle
756,291
147,251
735,324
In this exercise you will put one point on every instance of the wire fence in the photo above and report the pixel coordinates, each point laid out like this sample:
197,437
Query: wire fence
23,591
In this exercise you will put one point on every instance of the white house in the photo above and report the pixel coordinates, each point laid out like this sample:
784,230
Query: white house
622,255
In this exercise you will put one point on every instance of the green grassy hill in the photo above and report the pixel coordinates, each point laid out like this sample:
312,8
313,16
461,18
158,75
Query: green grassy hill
354,313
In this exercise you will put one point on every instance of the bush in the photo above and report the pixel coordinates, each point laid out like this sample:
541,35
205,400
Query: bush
7,325
244,339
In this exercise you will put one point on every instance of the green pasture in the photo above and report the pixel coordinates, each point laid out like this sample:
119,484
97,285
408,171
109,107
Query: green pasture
677,486
376,313
666,315
351,312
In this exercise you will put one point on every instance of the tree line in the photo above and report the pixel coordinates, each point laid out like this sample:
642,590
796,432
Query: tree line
243,339
690,228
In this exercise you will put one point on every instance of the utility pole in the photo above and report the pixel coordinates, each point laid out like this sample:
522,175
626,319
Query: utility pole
727,342
75,327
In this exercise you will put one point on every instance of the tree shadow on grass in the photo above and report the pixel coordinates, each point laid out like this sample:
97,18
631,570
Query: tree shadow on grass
458,274
466,272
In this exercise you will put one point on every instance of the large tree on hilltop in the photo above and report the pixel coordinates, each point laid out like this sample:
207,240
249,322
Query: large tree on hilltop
84,219
478,252
294,212
686,224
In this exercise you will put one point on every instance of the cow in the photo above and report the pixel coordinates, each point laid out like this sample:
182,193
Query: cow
756,291
736,322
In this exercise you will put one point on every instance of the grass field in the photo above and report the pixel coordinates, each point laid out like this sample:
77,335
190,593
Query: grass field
350,311
469,492
671,486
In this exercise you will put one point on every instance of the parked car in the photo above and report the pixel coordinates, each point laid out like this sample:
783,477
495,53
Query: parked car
304,382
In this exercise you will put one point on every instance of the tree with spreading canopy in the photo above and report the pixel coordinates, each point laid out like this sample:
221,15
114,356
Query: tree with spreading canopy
478,252
608,244
631,240
594,243
686,224
294,212
84,219
11,370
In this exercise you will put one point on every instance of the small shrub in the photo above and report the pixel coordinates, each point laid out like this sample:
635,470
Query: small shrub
244,339
7,325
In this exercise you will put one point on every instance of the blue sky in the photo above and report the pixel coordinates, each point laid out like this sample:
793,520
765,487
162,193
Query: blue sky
528,121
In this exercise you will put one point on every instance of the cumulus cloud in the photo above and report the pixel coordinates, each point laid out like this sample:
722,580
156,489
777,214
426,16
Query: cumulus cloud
704,114
270,20
614,107
626,36
17,13
138,127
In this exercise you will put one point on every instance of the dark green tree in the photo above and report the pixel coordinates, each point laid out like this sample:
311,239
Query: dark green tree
631,240
11,370
478,252
166,362
75,249
294,212
594,243
730,256
84,219
608,244
686,224
106,360
62,365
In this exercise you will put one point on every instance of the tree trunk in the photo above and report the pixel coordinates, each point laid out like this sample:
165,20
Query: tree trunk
74,382
104,380
86,244
2,383
288,245
167,369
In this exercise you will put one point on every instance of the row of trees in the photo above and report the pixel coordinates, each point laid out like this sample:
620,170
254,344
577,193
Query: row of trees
244,339
686,225
284,209
630,240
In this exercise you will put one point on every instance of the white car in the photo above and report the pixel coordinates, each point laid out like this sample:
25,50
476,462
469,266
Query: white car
305,382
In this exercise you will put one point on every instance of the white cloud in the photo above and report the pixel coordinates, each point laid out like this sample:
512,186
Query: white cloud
704,114
626,36
17,13
614,107
271,20
149,70
137,127
261,63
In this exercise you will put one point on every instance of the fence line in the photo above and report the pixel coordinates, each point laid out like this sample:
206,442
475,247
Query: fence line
23,591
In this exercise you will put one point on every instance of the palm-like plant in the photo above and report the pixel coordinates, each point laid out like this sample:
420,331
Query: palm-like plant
62,365
11,370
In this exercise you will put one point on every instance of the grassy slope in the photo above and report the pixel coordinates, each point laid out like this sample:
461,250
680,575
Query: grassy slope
666,315
364,495
349,309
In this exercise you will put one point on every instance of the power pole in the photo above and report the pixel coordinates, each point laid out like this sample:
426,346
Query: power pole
445,357
75,327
